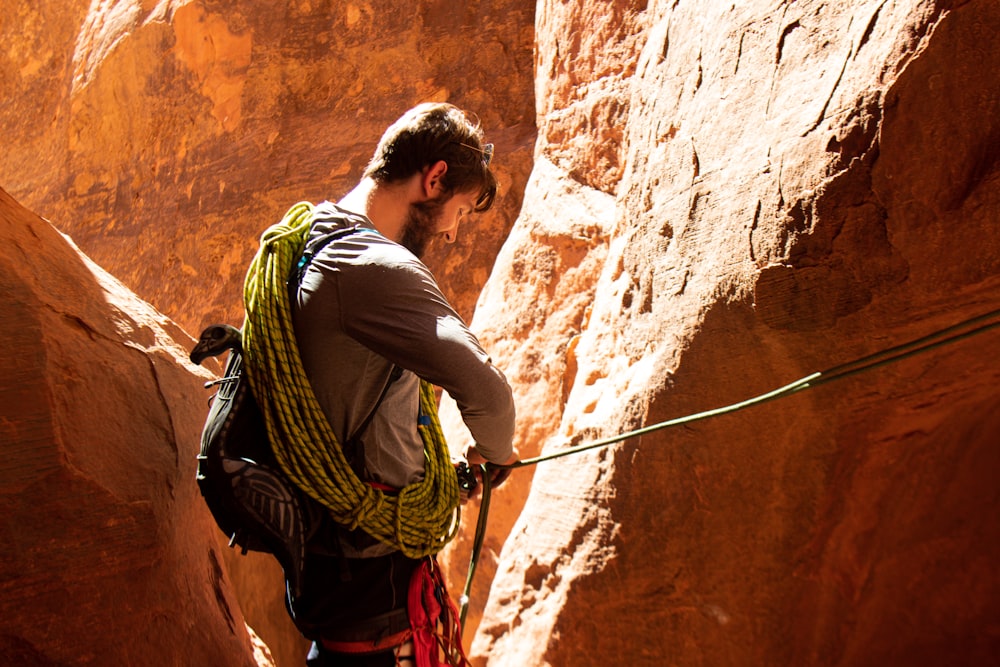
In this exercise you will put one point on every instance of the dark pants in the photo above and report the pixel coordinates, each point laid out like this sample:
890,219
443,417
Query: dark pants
321,658
350,599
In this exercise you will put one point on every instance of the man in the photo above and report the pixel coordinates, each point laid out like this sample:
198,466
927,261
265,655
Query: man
370,323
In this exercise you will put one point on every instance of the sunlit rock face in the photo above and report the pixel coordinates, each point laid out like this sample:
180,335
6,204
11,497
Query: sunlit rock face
743,194
109,556
164,137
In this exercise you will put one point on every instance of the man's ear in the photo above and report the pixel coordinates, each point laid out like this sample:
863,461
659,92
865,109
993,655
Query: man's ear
432,180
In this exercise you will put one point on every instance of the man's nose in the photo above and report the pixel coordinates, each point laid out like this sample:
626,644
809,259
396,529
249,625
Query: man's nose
452,234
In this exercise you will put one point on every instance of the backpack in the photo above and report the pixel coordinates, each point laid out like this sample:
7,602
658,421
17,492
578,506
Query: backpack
249,496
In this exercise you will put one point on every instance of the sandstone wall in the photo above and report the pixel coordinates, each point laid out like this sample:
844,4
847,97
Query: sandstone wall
164,137
771,189
108,553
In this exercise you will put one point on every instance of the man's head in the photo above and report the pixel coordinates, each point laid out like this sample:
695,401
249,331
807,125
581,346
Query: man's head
431,133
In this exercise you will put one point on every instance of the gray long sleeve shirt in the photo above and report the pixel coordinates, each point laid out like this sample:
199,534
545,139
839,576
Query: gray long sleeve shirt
365,304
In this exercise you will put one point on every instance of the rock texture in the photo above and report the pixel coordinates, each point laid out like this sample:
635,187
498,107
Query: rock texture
774,188
164,137
108,554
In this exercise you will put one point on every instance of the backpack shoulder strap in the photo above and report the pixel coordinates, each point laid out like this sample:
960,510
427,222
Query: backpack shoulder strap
314,246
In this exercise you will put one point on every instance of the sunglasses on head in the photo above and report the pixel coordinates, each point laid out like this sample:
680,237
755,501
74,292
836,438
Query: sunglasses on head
486,150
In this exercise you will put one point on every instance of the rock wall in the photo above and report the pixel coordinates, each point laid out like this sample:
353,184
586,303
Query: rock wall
108,553
771,189
164,137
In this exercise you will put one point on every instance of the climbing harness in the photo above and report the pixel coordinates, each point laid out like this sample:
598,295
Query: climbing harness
953,334
423,517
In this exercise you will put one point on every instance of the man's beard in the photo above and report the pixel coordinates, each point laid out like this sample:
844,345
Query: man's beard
421,220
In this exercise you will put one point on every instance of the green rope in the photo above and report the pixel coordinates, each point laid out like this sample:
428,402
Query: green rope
937,339
953,334
423,517
477,541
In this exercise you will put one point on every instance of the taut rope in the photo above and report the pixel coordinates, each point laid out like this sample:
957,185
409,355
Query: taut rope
953,334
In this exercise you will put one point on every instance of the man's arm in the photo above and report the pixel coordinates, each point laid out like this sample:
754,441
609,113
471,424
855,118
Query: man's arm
394,307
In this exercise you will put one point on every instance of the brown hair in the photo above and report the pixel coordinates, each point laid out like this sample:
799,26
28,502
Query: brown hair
431,132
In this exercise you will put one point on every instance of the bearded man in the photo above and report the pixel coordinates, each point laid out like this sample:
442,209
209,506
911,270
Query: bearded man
371,323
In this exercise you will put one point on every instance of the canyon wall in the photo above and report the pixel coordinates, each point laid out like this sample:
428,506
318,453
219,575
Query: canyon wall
108,555
165,136
767,190
719,198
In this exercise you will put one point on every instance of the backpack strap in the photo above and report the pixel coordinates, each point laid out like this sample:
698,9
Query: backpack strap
314,246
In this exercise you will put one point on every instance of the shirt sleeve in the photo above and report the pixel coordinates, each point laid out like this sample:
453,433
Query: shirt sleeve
392,305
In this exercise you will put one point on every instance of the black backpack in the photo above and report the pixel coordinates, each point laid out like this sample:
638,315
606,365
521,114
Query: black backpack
250,497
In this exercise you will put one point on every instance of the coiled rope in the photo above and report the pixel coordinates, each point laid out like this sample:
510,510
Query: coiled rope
424,516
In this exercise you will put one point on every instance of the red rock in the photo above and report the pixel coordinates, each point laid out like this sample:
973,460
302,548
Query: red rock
165,137
723,197
795,187
109,554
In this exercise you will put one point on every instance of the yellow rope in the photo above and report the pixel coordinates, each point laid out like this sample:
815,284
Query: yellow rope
423,517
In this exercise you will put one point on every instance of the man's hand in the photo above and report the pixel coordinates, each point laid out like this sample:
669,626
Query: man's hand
499,475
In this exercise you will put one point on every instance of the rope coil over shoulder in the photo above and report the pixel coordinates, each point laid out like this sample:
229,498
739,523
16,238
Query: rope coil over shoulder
423,517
